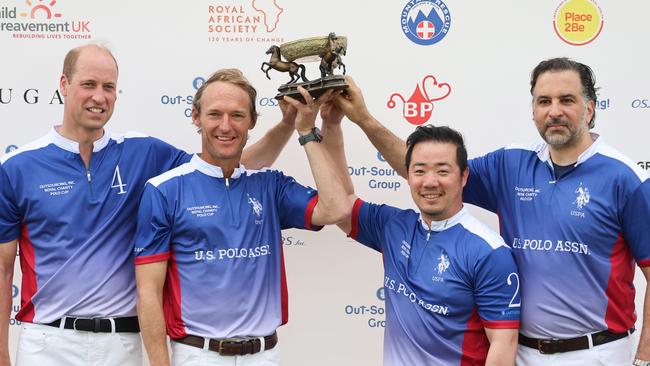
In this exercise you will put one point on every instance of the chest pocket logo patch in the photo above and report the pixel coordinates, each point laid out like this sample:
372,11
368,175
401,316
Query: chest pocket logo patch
257,208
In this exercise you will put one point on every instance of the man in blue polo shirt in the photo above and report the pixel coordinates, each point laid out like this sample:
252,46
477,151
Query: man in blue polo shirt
575,212
451,284
210,269
69,199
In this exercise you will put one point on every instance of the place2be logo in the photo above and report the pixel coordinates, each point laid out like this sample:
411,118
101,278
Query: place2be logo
417,109
578,22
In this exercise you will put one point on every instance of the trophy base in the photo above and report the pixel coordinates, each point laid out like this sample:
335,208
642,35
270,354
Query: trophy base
315,87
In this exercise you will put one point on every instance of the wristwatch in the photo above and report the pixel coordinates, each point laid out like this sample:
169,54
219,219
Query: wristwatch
313,135
640,362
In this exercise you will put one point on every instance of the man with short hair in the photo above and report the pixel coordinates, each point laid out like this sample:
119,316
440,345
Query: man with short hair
450,283
574,211
69,200
209,263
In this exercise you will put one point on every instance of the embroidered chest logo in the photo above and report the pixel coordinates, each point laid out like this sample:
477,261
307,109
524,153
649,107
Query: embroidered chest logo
443,265
583,197
117,181
58,188
257,208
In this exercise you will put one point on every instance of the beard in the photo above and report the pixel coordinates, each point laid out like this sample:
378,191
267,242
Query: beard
559,138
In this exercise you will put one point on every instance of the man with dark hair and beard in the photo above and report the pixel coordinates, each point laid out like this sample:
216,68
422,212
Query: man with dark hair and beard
573,209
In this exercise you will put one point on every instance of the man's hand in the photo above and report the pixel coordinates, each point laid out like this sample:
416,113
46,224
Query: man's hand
288,114
331,114
306,117
352,103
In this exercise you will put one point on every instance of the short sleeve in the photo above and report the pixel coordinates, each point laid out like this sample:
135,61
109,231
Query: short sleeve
9,213
295,203
153,233
634,219
482,183
167,156
497,290
369,222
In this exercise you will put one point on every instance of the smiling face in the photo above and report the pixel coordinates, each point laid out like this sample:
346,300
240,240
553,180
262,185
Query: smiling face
224,119
560,111
435,180
90,90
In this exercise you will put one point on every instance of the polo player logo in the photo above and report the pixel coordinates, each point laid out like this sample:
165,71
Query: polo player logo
583,197
256,205
418,108
443,263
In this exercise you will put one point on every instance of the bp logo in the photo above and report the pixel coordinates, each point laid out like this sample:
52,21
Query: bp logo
418,107
578,22
425,22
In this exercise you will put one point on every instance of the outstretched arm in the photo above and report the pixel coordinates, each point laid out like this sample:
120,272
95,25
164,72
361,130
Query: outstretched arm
266,150
389,145
332,116
333,204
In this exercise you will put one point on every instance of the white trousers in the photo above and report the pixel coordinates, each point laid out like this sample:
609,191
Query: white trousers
184,355
42,345
617,353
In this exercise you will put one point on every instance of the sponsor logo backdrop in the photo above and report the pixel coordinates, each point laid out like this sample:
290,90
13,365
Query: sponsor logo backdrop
465,64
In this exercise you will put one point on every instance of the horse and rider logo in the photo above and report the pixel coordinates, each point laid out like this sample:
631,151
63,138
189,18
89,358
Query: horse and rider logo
256,206
583,197
418,108
443,263
425,22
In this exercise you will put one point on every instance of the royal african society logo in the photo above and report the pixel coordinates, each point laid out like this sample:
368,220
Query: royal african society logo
578,22
425,22
418,107
245,21
582,198
38,19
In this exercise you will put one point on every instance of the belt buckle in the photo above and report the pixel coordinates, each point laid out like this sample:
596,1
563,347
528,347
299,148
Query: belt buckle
74,322
544,342
96,323
220,350
221,343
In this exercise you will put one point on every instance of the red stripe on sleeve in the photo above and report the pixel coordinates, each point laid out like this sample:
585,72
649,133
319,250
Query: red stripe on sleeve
309,211
643,263
354,218
501,324
160,257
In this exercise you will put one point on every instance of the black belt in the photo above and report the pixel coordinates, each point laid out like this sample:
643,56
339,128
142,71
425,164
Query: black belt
549,346
231,347
100,325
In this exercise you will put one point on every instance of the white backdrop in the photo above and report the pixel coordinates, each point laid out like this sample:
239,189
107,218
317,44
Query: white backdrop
336,302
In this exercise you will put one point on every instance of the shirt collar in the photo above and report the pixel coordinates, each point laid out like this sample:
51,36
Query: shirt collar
444,224
545,155
73,146
213,170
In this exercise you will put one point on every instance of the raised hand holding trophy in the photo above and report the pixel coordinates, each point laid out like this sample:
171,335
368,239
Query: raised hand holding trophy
328,49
